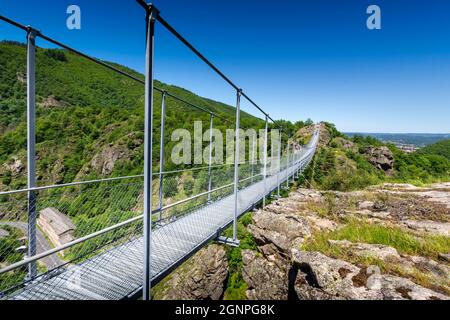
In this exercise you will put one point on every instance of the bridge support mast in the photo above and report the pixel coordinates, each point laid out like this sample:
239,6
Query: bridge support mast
287,164
265,160
252,157
31,147
279,166
211,126
152,12
236,163
161,153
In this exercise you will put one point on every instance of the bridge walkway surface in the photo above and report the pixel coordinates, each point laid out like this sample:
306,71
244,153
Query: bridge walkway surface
117,273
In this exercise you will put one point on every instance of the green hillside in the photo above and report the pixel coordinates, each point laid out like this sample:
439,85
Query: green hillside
90,124
343,163
83,108
441,148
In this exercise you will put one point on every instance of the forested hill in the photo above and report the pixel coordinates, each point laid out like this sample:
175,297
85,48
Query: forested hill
351,163
85,113
441,148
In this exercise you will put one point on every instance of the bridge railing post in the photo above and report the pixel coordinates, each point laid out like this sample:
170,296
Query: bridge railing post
265,160
287,164
279,165
152,12
161,153
31,147
211,126
252,158
236,162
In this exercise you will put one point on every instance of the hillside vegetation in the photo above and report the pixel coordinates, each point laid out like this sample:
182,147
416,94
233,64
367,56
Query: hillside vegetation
441,148
344,163
84,109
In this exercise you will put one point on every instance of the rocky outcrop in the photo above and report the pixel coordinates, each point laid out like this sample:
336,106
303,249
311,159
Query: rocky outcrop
282,230
21,77
439,228
382,158
280,270
345,144
437,272
15,166
202,277
267,279
320,277
52,101
367,250
104,161
307,132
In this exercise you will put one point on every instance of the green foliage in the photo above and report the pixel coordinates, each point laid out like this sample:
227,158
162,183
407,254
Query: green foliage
56,54
332,130
336,167
420,168
10,255
441,148
95,107
358,231
236,285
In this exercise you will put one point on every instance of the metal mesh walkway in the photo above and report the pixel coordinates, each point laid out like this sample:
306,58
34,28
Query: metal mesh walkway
117,273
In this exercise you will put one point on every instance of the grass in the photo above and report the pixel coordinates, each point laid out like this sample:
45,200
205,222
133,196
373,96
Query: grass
358,231
236,286
398,238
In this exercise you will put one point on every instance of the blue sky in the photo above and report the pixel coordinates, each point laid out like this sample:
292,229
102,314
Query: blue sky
297,59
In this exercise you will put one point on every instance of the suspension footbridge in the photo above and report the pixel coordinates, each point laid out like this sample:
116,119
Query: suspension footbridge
147,237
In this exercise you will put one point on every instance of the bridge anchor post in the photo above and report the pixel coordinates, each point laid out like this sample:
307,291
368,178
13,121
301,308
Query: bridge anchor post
151,14
31,148
236,162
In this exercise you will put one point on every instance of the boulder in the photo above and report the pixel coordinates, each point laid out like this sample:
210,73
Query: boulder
345,144
266,280
52,101
202,277
320,277
282,230
382,158
365,205
433,227
16,166
366,250
437,273
104,161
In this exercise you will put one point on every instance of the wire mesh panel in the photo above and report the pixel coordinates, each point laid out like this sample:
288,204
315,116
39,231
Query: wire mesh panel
64,215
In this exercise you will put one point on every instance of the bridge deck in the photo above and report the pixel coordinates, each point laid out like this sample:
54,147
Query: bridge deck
117,273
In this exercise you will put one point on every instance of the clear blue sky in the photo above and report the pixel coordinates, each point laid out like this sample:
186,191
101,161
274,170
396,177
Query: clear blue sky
295,58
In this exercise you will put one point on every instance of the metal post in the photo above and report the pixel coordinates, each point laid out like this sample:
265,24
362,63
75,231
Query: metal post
252,158
293,162
148,136
279,166
287,164
265,161
31,147
236,163
161,153
211,124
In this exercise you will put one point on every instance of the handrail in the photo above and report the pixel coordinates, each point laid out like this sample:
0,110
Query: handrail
74,184
103,231
111,228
